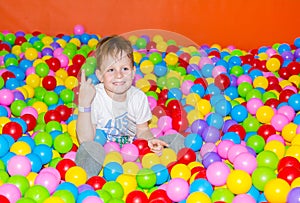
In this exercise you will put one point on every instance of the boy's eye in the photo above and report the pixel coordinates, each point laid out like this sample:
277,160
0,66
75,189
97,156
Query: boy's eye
110,70
125,68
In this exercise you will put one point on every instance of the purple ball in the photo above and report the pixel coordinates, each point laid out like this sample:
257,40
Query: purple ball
210,158
192,67
198,126
146,37
297,53
211,134
47,52
294,195
20,34
227,124
55,45
18,95
84,187
233,80
287,55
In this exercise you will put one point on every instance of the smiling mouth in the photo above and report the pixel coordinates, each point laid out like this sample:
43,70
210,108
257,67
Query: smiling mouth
119,83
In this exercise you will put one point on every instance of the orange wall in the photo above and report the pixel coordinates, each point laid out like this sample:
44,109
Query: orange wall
246,24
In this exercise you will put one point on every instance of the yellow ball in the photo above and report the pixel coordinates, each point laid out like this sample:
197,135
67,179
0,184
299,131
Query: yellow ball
61,73
167,156
37,62
264,114
113,157
194,164
150,76
161,46
61,42
59,81
31,54
260,81
31,178
146,67
16,50
295,79
130,168
54,199
128,182
71,82
203,106
239,182
181,171
285,83
137,57
132,39
192,99
277,190
143,84
293,151
295,183
150,160
75,41
92,43
194,60
289,132
72,128
47,40
263,56
277,147
273,64
20,148
76,175
296,140
40,106
194,115
157,38
174,74
171,59
33,80
198,197
29,90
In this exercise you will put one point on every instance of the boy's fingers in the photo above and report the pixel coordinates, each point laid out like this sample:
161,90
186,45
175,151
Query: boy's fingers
82,80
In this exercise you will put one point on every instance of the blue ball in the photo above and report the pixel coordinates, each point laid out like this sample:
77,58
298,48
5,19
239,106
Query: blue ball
36,162
198,89
223,107
112,170
239,113
44,152
4,147
70,187
212,89
3,111
175,93
28,140
160,69
294,101
215,120
201,185
162,173
232,136
297,42
100,137
231,92
207,70
193,141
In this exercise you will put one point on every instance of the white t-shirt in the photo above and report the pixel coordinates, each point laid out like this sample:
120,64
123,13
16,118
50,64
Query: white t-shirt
119,119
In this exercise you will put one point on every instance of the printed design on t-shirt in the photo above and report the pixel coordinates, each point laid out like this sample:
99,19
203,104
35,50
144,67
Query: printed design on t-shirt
121,129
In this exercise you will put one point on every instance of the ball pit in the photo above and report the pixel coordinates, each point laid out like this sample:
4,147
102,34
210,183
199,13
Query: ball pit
237,109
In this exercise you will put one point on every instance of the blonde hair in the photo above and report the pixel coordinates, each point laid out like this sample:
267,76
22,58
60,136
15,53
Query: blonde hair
113,46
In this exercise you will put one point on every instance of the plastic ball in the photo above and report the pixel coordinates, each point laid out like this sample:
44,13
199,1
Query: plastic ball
38,193
9,192
76,175
217,173
136,197
277,190
129,152
177,189
246,162
128,182
146,178
239,182
20,148
261,176
180,171
63,143
48,180
112,170
114,189
267,159
65,195
63,166
19,165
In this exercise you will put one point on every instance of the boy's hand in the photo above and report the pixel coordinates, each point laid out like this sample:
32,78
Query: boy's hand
87,91
157,145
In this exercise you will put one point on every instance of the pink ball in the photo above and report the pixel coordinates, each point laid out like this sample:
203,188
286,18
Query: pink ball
164,123
6,97
217,173
57,52
70,155
157,132
1,60
19,165
235,150
177,189
29,110
52,170
11,192
298,130
276,137
246,162
271,52
223,148
253,104
30,70
244,78
186,86
111,147
208,147
170,132
48,180
78,30
64,60
217,70
129,152
294,89
288,111
92,199
245,198
152,102
279,121
203,61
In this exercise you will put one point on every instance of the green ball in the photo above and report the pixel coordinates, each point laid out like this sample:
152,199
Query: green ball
65,195
70,53
267,159
38,193
53,126
251,124
254,93
244,88
155,58
173,82
39,93
152,94
63,143
20,181
2,165
161,82
40,127
41,36
67,96
40,118
11,62
91,61
146,178
189,77
53,163
50,98
82,52
31,101
17,106
42,69
38,45
114,188
10,38
268,95
262,175
43,138
222,194
3,175
25,200
236,52
141,43
1,36
237,71
104,195
256,142
28,36
181,70
25,46
88,68
116,200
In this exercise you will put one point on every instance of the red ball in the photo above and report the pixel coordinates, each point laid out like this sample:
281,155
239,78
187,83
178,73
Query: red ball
284,73
64,111
171,165
172,48
30,121
14,129
4,47
201,81
163,94
153,85
141,144
159,111
272,103
186,155
20,40
285,95
237,128
63,166
197,169
52,115
174,105
293,68
96,182
49,82
222,81
151,45
159,196
74,148
7,75
78,59
266,131
287,162
136,196
184,59
247,59
3,199
180,123
201,174
53,63
289,174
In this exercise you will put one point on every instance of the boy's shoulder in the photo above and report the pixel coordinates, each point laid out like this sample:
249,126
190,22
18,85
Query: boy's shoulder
135,92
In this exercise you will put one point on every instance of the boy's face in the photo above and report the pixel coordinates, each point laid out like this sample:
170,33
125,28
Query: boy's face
117,74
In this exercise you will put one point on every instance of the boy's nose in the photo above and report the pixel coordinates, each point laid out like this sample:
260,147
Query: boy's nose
119,74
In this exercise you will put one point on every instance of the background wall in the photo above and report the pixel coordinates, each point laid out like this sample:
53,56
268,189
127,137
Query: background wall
246,24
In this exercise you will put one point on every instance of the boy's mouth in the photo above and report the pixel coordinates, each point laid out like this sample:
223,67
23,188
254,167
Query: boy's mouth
119,83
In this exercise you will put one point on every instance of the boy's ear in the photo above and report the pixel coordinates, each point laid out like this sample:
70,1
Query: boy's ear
99,75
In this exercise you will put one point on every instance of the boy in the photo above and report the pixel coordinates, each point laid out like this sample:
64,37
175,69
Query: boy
114,105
